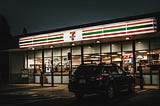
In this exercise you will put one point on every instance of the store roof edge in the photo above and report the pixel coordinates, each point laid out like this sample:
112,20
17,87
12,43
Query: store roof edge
148,15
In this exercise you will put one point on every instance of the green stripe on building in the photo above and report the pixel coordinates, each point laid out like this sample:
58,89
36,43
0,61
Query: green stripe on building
55,38
25,42
39,40
140,26
91,33
114,30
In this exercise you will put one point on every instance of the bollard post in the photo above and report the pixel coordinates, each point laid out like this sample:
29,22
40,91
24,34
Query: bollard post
159,77
52,78
141,77
41,79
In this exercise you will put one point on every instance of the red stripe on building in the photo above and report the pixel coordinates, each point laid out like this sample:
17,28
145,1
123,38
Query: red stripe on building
39,43
115,33
55,41
25,45
96,36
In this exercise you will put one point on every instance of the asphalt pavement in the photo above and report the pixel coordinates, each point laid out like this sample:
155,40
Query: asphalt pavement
35,94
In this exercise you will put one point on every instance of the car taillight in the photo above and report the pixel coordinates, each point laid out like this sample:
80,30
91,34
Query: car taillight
100,76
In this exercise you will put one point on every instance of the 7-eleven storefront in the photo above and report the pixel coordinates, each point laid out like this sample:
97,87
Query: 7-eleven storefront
55,55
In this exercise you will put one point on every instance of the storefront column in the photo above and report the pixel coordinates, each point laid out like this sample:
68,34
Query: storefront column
52,71
111,51
121,55
159,78
43,69
100,52
70,62
34,53
82,55
27,59
150,61
61,67
134,57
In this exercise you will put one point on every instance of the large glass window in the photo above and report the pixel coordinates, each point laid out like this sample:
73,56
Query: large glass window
142,45
106,58
116,53
155,51
142,51
57,65
127,46
66,64
76,57
31,66
47,60
57,60
38,61
65,60
31,60
26,60
155,59
92,53
127,56
142,59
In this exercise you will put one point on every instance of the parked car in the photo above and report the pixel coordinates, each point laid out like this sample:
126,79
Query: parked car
108,79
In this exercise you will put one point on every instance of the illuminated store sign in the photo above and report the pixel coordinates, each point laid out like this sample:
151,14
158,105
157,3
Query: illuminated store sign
141,26
127,56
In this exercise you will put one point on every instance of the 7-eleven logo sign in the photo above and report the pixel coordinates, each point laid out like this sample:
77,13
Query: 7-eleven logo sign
73,35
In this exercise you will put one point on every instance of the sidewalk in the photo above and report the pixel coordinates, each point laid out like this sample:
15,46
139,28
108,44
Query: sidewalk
57,86
148,87
27,86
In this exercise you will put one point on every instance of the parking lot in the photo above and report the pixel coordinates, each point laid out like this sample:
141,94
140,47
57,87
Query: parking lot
34,94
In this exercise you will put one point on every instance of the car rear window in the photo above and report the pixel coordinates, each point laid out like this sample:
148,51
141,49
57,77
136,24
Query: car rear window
86,70
110,69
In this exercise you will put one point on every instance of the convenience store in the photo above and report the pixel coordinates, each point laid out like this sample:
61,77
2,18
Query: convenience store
55,54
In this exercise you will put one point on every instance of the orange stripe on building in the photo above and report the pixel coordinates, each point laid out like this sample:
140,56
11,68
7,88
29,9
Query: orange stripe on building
114,26
22,39
40,37
92,29
55,35
140,23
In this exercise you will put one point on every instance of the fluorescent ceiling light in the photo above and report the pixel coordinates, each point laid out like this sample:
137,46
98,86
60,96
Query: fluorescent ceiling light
142,51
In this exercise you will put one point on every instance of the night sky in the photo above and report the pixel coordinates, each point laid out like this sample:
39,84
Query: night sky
42,15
